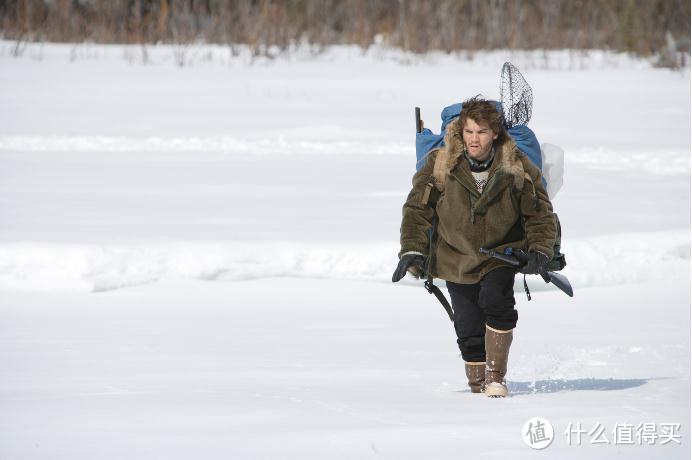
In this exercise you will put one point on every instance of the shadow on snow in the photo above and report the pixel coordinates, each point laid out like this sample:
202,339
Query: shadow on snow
554,386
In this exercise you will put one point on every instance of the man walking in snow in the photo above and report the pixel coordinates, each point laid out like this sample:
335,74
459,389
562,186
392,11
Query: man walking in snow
483,192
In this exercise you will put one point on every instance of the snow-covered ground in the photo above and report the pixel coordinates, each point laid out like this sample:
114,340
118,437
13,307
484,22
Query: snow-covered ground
195,261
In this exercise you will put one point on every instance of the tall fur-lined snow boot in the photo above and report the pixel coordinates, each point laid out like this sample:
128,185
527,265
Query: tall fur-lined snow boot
497,345
475,372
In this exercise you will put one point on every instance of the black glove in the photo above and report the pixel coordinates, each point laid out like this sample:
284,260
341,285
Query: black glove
536,263
407,261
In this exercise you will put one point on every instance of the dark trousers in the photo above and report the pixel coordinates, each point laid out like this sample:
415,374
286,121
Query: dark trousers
489,302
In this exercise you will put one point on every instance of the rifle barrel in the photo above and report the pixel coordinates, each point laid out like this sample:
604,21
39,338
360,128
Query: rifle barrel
503,257
557,279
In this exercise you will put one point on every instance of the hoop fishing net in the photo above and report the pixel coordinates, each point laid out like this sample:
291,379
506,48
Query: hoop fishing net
516,96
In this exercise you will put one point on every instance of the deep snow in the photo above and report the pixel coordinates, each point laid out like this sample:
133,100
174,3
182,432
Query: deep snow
305,368
195,261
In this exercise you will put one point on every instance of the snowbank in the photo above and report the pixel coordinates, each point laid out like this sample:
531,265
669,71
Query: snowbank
200,54
605,260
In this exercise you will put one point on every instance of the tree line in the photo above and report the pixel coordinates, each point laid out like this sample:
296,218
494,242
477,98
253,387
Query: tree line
642,27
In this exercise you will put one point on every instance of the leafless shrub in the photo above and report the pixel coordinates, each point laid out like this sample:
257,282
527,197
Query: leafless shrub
19,46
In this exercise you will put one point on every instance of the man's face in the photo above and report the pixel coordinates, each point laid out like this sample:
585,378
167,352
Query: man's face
478,139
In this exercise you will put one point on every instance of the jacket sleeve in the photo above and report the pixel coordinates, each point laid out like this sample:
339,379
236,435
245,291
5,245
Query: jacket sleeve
417,216
539,221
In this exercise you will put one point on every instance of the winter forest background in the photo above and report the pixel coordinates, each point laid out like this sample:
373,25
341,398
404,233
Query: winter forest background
199,219
642,27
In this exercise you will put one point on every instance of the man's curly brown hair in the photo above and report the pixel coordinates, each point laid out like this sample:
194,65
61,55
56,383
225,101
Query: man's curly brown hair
483,110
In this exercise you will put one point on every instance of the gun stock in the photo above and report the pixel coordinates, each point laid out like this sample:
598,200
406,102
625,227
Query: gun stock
560,281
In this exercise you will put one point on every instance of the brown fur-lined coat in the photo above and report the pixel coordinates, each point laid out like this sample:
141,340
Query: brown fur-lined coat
468,220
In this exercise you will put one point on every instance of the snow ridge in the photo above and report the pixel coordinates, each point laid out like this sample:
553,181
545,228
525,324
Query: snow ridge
262,146
604,260
201,54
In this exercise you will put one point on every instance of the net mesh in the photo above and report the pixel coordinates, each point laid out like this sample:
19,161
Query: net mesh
516,96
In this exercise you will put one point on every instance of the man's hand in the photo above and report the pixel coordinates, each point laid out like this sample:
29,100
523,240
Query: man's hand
408,262
536,263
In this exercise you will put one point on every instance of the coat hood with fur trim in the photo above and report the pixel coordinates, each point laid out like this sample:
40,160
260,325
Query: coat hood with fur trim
454,149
